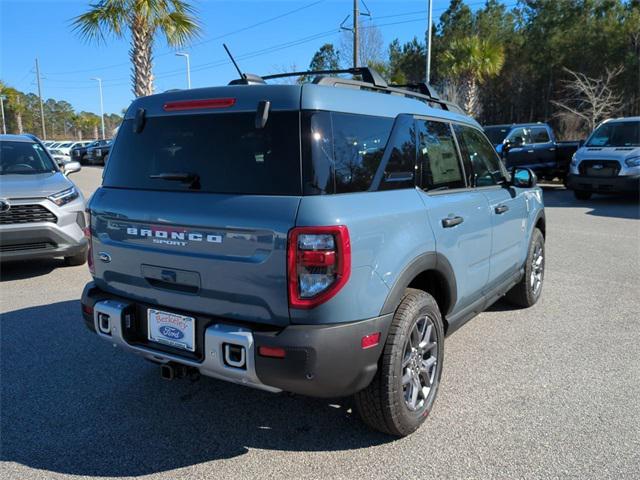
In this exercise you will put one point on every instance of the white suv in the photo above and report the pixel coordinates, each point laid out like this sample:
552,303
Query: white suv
609,161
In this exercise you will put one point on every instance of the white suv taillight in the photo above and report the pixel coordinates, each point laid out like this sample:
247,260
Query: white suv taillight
318,264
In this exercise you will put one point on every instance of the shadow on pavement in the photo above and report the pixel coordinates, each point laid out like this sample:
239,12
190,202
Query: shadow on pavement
20,270
617,206
71,403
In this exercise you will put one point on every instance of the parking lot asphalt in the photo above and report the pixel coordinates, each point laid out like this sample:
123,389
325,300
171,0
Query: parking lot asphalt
548,392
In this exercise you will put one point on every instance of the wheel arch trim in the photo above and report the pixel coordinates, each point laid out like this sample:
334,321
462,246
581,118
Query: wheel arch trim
430,261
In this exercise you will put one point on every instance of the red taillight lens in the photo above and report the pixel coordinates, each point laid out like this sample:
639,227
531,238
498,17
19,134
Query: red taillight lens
319,264
371,340
273,352
87,234
198,104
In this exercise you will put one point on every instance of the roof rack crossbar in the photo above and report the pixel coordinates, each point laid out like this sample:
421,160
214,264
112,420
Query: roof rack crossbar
368,75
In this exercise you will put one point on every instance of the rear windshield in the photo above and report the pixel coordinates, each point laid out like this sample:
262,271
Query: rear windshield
496,135
215,153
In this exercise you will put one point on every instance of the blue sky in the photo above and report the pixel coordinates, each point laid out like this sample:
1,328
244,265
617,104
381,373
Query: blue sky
42,28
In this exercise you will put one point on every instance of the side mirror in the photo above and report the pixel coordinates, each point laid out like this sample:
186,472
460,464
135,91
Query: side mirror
71,167
523,178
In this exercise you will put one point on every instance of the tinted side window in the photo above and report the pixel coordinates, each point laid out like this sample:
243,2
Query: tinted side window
438,161
523,133
481,156
539,135
317,153
399,171
359,143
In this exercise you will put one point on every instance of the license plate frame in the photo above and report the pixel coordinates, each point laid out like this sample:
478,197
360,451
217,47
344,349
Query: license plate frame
171,329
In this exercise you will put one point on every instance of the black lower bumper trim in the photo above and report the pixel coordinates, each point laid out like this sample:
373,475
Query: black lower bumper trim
320,360
619,184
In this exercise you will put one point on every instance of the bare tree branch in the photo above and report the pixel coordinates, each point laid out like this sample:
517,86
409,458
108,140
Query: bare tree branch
591,99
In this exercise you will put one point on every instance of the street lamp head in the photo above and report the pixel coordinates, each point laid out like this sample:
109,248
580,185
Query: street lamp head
181,54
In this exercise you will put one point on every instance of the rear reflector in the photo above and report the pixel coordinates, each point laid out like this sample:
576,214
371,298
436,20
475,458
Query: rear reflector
87,309
198,104
274,352
370,340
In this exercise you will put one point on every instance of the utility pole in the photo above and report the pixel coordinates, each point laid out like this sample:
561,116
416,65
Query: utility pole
186,55
99,80
4,125
430,22
356,40
44,130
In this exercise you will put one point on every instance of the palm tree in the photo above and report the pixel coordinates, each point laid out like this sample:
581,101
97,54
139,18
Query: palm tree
14,104
143,19
470,61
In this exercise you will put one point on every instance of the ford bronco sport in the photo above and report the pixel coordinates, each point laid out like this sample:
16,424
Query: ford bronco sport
320,239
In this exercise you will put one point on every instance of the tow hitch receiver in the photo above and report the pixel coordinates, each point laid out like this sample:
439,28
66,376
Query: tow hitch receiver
235,356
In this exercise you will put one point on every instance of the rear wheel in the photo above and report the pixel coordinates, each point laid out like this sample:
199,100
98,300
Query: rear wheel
527,292
402,393
582,195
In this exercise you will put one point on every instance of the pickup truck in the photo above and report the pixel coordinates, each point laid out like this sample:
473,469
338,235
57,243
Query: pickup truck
533,146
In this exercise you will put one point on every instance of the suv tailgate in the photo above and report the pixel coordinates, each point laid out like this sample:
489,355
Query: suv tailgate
219,255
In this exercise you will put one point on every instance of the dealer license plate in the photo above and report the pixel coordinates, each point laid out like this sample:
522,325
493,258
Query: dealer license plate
172,329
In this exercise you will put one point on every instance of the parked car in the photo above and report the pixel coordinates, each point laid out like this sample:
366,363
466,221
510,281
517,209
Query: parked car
309,238
97,155
59,157
79,152
41,210
534,146
609,161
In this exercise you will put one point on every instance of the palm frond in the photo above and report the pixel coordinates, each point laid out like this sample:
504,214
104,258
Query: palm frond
103,18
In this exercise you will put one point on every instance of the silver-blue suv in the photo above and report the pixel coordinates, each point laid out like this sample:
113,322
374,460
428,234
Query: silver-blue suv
320,239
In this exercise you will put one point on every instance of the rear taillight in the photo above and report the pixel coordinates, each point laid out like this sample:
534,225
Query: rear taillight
318,264
87,234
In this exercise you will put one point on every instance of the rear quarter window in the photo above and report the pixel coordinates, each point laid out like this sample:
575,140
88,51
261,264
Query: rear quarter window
225,151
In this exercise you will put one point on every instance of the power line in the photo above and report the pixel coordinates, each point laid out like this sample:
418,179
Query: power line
240,30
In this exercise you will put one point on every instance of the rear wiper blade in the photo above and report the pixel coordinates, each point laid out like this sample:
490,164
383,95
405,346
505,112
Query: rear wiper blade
193,179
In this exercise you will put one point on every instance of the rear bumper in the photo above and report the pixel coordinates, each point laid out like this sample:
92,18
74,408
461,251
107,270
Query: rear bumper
619,184
319,361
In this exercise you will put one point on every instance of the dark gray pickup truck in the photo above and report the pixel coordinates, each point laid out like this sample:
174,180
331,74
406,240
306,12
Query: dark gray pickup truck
534,146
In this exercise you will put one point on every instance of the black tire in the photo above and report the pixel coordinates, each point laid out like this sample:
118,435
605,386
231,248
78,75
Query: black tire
382,405
582,195
76,260
527,292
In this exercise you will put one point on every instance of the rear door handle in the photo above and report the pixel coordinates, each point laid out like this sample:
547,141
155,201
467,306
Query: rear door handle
501,209
451,221
530,151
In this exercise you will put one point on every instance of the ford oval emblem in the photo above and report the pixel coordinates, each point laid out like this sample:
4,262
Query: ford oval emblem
171,332
104,256
5,206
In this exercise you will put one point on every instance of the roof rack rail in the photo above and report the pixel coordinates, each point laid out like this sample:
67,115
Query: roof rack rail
371,80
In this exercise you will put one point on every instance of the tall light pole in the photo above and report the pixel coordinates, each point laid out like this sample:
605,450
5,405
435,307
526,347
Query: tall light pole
186,55
356,40
430,21
44,130
99,80
4,125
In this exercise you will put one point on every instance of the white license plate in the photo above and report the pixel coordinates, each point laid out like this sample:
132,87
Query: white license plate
172,329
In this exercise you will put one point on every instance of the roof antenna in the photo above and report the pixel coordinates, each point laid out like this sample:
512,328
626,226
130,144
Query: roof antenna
242,75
